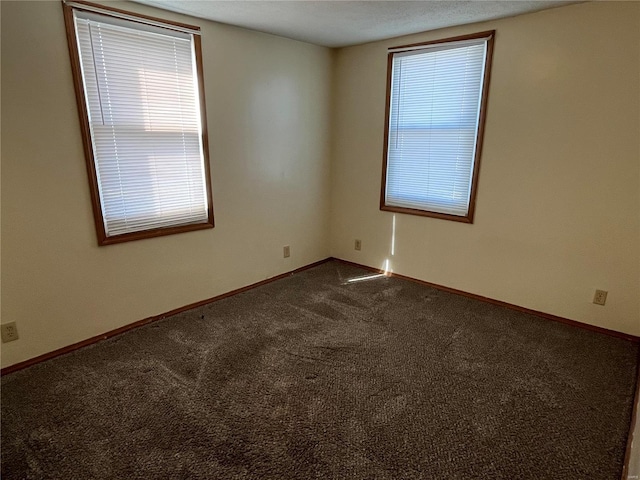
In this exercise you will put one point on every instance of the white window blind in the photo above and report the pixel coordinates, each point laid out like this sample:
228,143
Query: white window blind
435,99
142,96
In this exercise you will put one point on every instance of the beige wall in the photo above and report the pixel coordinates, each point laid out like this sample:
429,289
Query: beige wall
268,104
557,211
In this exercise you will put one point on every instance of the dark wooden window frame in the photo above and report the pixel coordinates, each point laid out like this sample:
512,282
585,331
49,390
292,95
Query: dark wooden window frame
103,239
481,121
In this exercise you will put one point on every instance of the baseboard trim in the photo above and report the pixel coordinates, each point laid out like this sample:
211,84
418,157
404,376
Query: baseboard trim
511,306
112,333
70,348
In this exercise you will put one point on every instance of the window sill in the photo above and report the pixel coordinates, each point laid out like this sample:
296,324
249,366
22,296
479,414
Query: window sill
424,213
158,232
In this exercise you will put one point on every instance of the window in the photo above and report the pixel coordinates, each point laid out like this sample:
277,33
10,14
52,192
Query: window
140,97
436,102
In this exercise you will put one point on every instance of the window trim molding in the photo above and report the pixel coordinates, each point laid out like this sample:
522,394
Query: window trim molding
481,125
85,131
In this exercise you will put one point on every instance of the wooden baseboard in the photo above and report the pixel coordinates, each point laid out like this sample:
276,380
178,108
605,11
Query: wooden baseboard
139,323
511,306
112,333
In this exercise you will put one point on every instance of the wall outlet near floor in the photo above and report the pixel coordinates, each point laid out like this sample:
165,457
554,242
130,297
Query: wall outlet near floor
9,332
600,297
286,250
357,244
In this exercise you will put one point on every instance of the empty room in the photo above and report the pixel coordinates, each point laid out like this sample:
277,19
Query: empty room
320,239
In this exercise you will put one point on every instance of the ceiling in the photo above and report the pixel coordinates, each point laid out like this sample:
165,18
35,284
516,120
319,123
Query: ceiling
343,23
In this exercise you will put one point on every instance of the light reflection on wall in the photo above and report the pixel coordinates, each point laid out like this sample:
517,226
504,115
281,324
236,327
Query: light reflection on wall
387,267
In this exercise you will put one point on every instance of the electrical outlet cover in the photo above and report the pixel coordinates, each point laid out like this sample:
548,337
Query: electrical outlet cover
600,297
9,332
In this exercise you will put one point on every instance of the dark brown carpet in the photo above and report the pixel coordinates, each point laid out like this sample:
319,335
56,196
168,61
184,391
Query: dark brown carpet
317,377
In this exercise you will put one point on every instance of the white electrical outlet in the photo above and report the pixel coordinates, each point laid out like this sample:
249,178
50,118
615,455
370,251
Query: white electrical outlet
9,332
358,244
600,297
286,250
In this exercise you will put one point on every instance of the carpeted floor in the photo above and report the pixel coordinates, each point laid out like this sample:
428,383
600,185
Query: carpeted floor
317,376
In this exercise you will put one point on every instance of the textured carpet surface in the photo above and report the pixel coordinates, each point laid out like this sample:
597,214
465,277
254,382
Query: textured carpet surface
318,376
